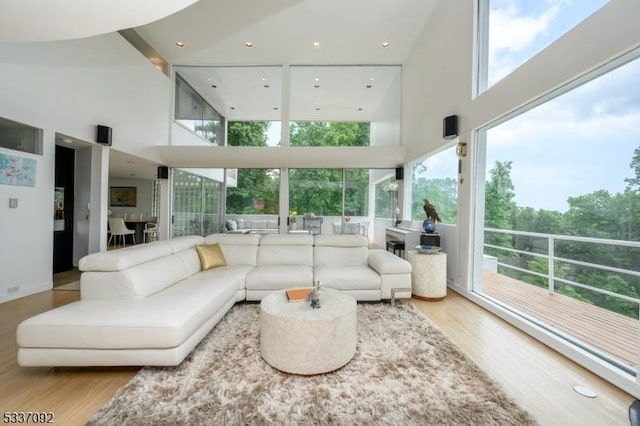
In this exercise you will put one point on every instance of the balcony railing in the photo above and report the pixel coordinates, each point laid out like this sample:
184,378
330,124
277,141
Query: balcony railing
614,335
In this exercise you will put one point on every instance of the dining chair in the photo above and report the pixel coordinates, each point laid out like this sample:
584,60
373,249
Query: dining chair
150,231
118,228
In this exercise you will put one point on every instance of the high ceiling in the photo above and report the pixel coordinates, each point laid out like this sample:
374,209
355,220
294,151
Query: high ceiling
214,32
214,36
311,36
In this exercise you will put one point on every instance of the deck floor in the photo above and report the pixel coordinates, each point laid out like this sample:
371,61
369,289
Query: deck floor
608,331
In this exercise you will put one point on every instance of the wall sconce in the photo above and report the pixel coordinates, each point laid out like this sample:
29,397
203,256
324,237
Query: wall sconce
461,152
461,149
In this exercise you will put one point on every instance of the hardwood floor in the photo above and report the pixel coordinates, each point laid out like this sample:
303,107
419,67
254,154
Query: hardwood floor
538,378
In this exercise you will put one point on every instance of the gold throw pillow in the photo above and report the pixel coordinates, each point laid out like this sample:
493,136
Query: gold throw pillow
210,256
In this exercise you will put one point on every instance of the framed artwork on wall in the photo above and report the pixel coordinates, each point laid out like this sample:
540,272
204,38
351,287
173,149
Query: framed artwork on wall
16,170
124,196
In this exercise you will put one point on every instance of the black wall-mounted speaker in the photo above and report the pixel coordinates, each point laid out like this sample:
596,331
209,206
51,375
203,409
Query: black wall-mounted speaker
399,173
450,127
103,135
163,172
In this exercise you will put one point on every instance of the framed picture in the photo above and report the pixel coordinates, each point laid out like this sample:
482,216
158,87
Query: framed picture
17,170
124,196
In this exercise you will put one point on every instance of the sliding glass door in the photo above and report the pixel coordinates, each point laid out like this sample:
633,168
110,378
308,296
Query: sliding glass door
329,201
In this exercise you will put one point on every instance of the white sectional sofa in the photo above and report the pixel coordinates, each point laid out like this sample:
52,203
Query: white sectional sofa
151,304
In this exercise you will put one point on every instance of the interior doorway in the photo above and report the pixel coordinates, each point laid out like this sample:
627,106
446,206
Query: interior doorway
63,209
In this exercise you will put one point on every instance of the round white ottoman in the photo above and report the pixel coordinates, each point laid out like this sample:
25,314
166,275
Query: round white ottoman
298,339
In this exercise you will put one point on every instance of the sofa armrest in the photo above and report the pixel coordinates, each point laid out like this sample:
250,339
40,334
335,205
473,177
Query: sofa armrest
385,262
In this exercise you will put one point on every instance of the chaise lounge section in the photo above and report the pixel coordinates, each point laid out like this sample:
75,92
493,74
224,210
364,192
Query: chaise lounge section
152,304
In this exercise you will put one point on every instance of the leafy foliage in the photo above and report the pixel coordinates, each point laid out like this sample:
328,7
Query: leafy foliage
598,214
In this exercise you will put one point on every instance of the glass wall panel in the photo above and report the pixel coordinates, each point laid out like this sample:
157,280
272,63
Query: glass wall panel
436,179
345,105
315,133
338,201
561,215
194,113
254,133
196,204
513,31
253,204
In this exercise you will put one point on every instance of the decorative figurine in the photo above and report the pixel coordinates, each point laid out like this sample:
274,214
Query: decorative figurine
429,225
314,296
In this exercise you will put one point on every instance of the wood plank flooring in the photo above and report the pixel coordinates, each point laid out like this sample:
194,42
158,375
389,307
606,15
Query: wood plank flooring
611,332
538,378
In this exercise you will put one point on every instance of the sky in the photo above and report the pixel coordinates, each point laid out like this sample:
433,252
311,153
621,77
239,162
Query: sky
577,143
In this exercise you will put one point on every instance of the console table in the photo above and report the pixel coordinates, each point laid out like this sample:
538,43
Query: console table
428,275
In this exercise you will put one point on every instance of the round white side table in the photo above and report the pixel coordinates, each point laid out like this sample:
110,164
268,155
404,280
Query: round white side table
295,338
428,275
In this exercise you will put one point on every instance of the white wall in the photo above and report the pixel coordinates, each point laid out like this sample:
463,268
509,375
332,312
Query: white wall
439,74
70,87
438,82
144,193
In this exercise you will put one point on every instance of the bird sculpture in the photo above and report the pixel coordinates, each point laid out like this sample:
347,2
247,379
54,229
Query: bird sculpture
431,212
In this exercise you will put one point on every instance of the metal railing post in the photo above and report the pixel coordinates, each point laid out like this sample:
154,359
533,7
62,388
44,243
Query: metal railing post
550,262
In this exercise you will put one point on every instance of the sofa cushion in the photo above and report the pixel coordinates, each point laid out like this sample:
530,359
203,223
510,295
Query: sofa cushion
117,260
273,277
333,240
259,224
347,277
340,256
285,250
163,320
231,225
385,262
210,256
137,282
238,249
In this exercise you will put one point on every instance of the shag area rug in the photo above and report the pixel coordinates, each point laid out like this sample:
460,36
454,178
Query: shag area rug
405,372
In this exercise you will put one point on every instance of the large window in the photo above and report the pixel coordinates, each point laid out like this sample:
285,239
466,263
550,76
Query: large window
435,179
345,105
194,113
562,215
513,31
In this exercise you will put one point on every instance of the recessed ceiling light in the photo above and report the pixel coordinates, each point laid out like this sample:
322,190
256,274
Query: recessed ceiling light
369,86
316,44
233,107
317,109
266,86
386,44
179,44
316,86
275,108
214,86
248,44
359,109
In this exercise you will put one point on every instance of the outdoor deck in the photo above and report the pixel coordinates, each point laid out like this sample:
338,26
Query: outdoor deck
613,333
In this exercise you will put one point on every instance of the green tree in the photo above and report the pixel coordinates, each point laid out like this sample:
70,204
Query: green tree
499,208
441,192
315,133
252,184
